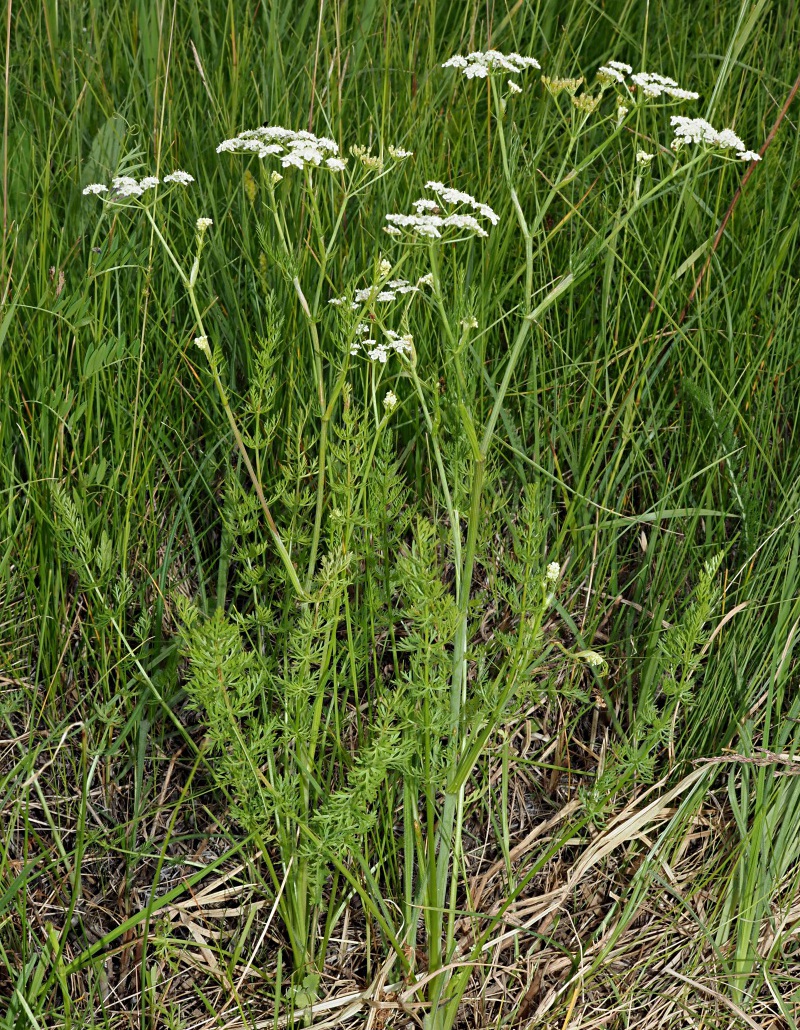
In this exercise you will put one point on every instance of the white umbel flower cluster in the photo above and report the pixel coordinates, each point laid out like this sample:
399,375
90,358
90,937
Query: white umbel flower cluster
381,294
654,85
179,177
651,84
295,149
698,130
393,343
479,64
429,220
614,71
125,186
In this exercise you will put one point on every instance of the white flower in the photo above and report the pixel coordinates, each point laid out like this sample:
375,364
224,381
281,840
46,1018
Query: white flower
295,148
179,177
400,344
654,85
698,130
382,293
613,72
650,83
431,225
694,130
643,158
126,186
479,64
379,353
606,73
149,182
468,222
94,188
451,196
728,139
513,87
299,158
399,154
203,223
390,401
422,225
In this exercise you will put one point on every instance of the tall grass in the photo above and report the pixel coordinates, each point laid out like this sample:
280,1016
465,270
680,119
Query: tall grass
625,845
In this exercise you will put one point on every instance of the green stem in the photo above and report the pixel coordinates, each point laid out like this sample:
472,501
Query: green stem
323,431
223,395
454,800
448,500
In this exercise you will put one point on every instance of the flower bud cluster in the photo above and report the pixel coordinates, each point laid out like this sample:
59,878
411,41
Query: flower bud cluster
555,86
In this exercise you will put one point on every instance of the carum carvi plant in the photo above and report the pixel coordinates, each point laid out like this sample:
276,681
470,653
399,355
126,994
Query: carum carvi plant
348,691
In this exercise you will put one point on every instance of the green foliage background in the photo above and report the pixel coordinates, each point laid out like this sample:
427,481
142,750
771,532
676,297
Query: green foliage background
657,444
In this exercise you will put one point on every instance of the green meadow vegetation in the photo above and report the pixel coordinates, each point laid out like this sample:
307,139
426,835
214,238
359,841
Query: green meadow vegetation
398,616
